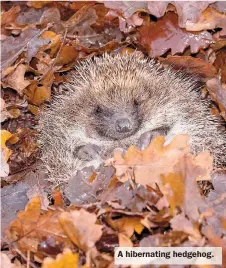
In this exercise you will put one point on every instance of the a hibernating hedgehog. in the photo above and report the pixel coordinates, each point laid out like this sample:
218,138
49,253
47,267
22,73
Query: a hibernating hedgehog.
111,101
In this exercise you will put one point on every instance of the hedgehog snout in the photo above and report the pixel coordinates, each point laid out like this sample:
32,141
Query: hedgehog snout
123,125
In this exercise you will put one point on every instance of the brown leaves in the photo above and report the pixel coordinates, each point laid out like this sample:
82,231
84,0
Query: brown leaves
123,213
191,65
209,19
37,94
147,166
31,226
146,198
16,79
83,235
10,15
166,35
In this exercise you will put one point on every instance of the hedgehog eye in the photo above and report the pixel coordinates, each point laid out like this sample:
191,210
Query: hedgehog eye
135,102
98,110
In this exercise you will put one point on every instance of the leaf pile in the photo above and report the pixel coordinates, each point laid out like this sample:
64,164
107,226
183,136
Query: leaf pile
139,206
146,198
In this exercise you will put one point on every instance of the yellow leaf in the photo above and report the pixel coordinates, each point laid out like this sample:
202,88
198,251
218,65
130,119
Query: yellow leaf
37,95
65,260
55,41
5,135
127,225
177,188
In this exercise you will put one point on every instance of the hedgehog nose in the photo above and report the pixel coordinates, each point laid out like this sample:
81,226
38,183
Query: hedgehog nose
123,125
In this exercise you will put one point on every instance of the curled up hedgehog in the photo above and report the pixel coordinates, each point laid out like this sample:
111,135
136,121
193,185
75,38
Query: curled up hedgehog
110,101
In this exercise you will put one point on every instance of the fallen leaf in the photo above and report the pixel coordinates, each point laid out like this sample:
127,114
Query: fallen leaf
12,47
67,54
37,4
5,135
31,226
218,93
107,243
33,109
147,166
10,15
126,225
5,153
67,259
175,194
220,63
54,41
14,112
57,197
33,47
6,262
124,241
16,79
181,223
83,235
80,190
4,113
13,199
166,35
37,94
210,19
172,238
191,65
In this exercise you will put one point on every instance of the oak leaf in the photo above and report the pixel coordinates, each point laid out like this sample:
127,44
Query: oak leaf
191,65
165,34
146,166
31,226
84,235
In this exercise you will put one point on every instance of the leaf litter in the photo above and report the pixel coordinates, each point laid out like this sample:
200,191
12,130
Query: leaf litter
149,197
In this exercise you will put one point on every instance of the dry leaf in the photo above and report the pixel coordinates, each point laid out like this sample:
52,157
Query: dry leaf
16,79
9,16
12,47
181,223
37,4
191,65
6,262
210,19
147,166
67,54
127,225
166,35
5,135
67,259
31,226
83,235
4,113
37,94
124,241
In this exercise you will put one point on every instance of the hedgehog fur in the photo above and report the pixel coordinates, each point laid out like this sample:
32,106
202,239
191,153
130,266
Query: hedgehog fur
110,101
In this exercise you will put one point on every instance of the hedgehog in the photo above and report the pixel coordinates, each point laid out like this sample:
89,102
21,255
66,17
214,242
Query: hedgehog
110,102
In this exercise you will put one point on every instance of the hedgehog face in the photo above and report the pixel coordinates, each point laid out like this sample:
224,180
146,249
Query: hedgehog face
115,122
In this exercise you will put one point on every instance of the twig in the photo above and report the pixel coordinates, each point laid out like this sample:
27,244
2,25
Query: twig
28,258
25,258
